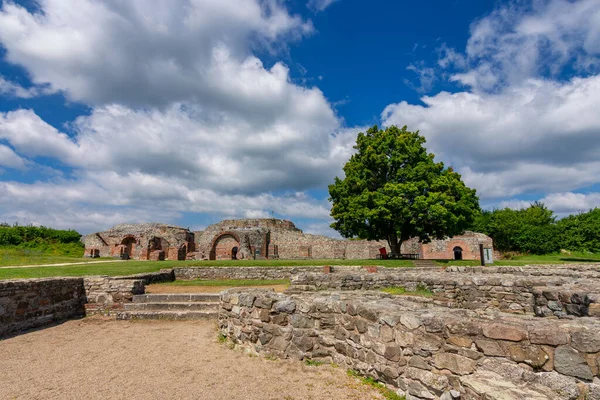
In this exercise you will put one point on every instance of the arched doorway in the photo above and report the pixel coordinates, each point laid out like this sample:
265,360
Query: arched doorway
457,253
128,246
223,247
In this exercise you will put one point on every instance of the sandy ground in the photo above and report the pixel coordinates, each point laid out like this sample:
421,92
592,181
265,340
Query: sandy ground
164,288
99,358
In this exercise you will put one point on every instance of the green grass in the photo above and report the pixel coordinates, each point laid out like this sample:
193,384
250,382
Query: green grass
40,253
388,394
136,267
313,363
229,282
560,258
396,290
116,269
13,256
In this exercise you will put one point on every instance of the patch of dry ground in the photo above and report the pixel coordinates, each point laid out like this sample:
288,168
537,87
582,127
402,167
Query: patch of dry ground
166,288
99,358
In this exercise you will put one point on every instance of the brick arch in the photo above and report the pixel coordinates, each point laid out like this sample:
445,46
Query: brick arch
128,245
215,241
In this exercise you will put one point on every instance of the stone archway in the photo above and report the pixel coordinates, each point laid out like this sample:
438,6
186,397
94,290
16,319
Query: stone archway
458,253
128,244
223,246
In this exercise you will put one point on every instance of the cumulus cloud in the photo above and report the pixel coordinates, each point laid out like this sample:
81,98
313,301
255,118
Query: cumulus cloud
526,39
8,88
184,116
97,201
523,125
10,159
562,204
139,53
541,135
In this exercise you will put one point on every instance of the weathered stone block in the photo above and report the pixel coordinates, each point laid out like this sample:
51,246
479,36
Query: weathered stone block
457,364
504,332
547,335
586,341
569,361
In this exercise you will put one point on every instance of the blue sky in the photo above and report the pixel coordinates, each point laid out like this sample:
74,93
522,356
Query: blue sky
192,111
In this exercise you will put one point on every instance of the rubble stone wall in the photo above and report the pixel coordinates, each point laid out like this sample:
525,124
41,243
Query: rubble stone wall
32,303
188,273
106,294
425,351
544,296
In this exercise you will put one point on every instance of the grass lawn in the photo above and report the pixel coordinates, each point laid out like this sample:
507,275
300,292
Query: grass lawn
229,282
137,267
48,254
561,258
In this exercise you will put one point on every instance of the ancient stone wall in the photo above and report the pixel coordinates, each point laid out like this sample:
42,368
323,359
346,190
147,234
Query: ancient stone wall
187,273
443,249
544,296
32,303
141,242
423,350
105,294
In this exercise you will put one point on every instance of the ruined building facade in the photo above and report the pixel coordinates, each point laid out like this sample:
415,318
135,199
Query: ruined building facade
141,242
267,238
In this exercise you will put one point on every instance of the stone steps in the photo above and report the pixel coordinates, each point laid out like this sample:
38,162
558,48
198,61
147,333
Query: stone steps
175,306
166,315
176,297
172,306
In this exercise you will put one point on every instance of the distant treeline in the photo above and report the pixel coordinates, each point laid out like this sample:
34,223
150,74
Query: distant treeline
18,235
536,230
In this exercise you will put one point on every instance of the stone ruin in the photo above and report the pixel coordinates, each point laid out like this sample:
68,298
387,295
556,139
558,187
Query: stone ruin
269,238
484,333
141,242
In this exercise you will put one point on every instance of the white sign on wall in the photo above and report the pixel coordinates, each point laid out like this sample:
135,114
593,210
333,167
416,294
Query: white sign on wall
488,256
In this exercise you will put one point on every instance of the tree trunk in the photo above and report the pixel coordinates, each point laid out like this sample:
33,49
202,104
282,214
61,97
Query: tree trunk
394,244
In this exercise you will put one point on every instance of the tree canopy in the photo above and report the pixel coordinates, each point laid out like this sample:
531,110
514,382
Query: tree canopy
394,190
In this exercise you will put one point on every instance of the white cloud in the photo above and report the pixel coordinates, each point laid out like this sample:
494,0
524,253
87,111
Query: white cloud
184,116
563,203
8,88
139,52
523,125
539,136
521,40
10,159
98,201
319,5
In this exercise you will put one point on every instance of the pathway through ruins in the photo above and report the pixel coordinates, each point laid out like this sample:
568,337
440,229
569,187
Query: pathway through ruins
99,358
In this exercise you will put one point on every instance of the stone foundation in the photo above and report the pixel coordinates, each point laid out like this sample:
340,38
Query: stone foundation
524,293
32,303
424,350
189,273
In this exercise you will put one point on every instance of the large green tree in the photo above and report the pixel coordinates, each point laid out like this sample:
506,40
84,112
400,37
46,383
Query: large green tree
394,190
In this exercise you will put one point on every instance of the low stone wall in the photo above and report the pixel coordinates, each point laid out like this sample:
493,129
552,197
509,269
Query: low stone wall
149,278
509,293
568,270
188,273
423,350
32,303
106,294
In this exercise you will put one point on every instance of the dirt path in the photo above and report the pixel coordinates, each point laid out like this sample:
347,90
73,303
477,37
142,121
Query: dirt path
165,288
96,358
63,264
